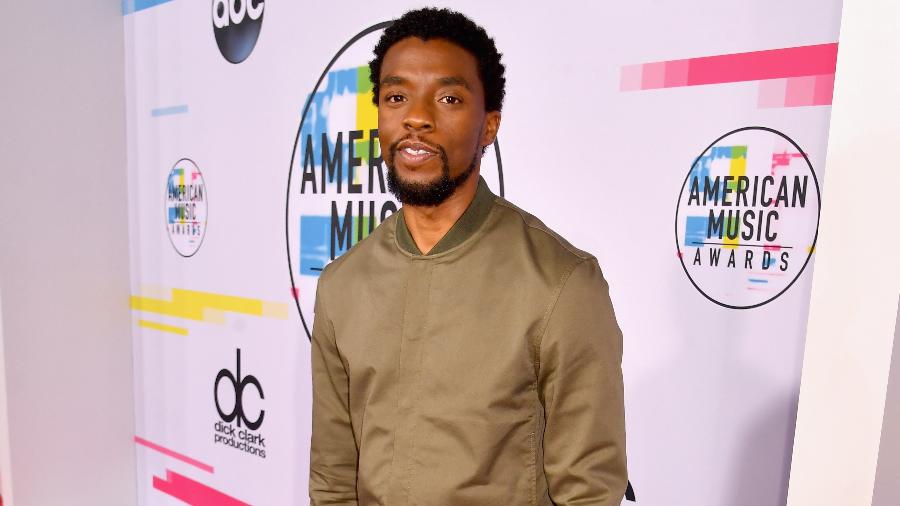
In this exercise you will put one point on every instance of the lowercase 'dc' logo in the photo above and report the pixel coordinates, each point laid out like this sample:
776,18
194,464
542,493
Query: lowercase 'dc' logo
238,428
337,187
186,207
236,24
747,217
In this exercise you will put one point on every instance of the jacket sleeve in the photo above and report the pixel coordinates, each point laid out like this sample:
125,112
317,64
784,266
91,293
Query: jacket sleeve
333,450
580,385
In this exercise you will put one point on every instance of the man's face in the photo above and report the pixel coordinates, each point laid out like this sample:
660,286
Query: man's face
431,119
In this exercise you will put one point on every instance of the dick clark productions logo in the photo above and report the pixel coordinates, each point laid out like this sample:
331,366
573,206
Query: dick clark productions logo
337,192
185,207
747,217
236,429
236,24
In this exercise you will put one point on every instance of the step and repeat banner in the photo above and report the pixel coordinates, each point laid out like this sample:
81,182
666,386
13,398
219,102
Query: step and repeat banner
681,144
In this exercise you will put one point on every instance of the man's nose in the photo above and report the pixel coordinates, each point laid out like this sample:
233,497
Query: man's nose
419,117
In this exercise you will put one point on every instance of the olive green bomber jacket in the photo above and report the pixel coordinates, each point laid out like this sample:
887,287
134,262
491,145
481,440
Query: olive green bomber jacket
487,372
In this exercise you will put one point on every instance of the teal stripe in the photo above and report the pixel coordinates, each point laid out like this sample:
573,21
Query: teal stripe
168,111
131,6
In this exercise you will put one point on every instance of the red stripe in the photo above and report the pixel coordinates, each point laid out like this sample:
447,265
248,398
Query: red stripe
193,492
172,453
761,65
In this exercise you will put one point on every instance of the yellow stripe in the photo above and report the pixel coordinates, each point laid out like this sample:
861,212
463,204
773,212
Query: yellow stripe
277,310
163,327
205,306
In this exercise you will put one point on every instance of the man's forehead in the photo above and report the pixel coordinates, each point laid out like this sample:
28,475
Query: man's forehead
436,60
418,53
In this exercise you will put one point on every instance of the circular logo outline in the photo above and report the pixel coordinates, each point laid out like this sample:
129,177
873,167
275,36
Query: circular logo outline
815,236
287,238
166,209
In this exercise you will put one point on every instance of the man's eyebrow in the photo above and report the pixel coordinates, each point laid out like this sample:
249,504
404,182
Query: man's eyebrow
443,81
454,81
392,80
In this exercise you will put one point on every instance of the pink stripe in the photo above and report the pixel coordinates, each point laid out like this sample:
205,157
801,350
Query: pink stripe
630,79
759,65
653,76
820,59
676,73
796,91
824,90
193,492
800,91
175,455
771,93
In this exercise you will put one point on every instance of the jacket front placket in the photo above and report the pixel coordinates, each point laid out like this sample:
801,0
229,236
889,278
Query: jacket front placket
412,347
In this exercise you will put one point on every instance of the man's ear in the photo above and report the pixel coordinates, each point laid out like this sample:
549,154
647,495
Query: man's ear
491,126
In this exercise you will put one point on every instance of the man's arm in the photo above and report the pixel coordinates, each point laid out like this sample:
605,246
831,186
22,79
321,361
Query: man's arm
580,384
333,452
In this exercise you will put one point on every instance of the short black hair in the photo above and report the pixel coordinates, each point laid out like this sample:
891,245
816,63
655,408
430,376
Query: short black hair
431,23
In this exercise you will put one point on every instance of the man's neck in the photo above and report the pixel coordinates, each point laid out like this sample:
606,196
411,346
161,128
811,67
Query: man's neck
428,224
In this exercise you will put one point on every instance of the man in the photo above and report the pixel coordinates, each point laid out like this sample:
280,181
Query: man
463,353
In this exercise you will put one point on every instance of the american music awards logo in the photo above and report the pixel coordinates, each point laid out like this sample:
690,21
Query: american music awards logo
337,185
186,207
747,217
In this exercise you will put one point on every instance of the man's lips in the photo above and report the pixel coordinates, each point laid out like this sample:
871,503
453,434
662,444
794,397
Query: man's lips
415,153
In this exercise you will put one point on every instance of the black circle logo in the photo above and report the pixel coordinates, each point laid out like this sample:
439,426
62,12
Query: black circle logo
239,384
336,192
747,217
236,24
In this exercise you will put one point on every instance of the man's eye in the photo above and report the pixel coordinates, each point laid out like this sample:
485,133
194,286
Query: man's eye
394,98
449,99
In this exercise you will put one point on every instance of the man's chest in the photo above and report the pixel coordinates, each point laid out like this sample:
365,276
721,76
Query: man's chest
460,333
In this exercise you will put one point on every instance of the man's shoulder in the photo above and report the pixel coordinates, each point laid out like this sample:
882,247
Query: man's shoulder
361,254
546,243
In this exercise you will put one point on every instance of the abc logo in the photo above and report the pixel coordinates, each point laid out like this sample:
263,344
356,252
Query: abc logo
236,24
239,384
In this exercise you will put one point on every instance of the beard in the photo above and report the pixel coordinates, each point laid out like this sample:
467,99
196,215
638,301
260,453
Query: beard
431,193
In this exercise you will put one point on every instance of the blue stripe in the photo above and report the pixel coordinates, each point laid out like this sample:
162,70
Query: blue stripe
168,111
131,6
753,280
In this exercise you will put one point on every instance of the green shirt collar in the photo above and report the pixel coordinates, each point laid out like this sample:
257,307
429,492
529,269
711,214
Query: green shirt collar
464,227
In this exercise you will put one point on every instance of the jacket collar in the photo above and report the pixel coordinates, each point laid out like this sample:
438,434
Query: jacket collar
465,226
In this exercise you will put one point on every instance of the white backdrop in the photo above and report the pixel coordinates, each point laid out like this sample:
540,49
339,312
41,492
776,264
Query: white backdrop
66,395
594,144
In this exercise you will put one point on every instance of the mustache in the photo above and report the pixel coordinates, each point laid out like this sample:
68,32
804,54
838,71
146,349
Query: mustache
392,149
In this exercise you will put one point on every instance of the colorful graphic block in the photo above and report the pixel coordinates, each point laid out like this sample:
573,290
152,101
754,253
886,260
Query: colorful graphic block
788,77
